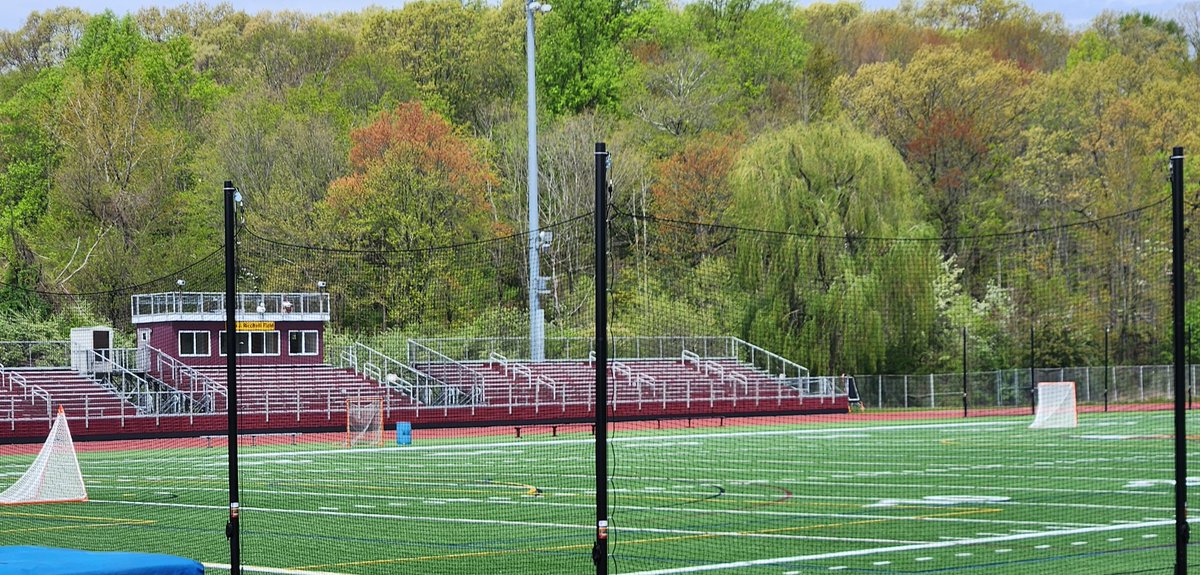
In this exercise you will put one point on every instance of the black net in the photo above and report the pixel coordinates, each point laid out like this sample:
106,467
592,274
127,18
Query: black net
484,463
837,400
141,470
813,393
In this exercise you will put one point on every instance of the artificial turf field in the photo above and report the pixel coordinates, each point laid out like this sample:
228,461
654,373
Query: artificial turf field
980,495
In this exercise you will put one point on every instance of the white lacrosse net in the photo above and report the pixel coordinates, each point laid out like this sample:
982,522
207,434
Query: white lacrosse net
54,476
1056,406
364,421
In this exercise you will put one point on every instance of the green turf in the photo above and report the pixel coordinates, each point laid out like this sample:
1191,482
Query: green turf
942,496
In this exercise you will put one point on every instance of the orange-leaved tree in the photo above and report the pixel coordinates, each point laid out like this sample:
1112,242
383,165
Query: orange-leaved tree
416,184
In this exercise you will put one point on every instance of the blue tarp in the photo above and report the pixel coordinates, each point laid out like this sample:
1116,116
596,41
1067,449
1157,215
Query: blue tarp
47,561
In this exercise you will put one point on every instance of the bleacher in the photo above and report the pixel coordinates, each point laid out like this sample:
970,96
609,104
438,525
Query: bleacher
663,386
440,391
37,393
295,392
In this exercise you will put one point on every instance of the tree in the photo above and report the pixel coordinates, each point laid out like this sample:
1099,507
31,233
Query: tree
692,189
43,41
415,185
580,59
951,114
1005,28
824,288
762,44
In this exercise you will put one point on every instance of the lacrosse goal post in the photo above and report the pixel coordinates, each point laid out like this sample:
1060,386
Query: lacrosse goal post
364,421
54,476
1056,405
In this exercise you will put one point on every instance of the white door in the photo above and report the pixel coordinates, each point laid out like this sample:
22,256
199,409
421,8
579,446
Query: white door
143,349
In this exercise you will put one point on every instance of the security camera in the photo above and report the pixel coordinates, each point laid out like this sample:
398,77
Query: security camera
321,285
180,282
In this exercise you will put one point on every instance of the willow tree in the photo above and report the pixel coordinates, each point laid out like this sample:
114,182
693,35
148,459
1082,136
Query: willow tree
829,284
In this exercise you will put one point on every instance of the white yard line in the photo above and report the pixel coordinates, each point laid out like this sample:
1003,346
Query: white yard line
691,510
903,548
273,570
581,527
675,438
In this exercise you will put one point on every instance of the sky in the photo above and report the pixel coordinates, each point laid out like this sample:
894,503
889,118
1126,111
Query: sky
1077,13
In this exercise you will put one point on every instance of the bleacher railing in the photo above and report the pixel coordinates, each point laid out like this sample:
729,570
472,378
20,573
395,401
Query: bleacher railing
29,392
213,396
166,305
632,347
49,353
464,385
107,367
423,389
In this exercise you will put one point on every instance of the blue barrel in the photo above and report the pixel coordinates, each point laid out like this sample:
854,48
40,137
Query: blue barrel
403,433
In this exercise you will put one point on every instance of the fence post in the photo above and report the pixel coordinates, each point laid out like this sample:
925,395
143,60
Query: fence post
1087,378
932,402
964,371
1032,375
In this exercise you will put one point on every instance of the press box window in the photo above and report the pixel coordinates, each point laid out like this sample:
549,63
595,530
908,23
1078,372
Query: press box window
302,343
193,343
255,343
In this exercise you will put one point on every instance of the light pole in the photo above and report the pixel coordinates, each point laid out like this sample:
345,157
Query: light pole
536,317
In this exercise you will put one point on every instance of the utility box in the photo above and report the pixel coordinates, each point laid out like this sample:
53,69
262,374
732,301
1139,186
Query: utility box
91,349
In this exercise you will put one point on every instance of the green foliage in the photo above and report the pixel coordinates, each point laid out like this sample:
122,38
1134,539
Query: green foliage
579,56
1091,47
815,295
981,117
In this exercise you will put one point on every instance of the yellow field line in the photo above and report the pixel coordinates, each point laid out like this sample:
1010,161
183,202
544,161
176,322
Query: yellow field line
67,517
80,526
643,541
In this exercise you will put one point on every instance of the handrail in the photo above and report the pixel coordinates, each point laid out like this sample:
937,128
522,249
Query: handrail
393,374
494,358
689,356
210,388
30,391
307,304
797,370
518,370
474,380
150,399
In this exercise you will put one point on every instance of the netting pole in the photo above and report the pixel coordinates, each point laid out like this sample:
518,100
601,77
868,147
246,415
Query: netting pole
964,364
1177,295
232,532
600,548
